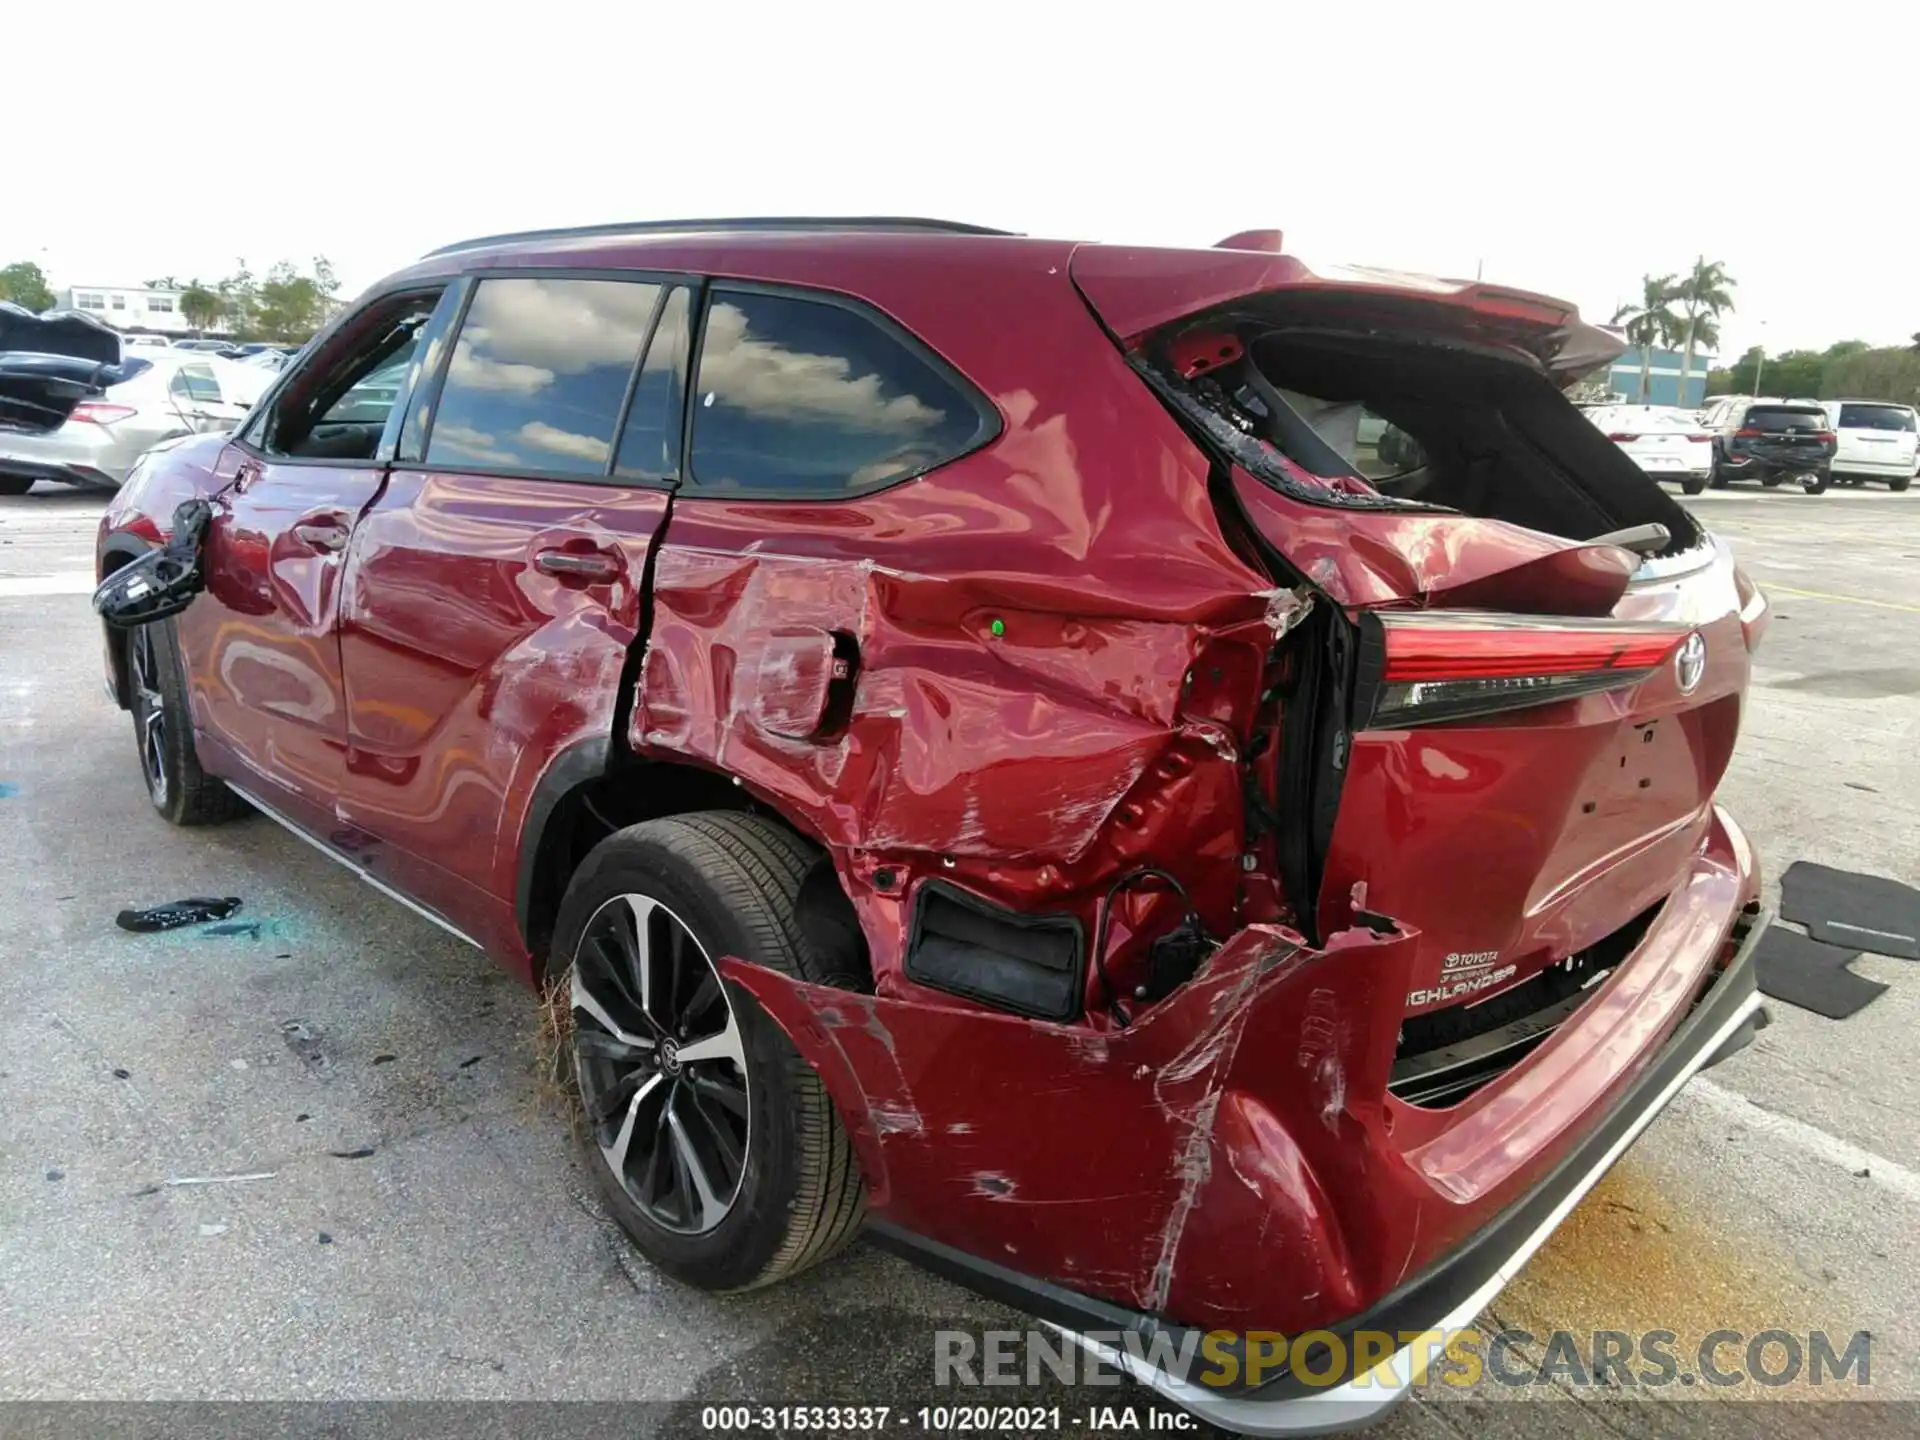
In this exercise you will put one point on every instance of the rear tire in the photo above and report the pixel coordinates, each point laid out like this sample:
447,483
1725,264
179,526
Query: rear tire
758,1179
1814,484
1693,484
163,733
1900,484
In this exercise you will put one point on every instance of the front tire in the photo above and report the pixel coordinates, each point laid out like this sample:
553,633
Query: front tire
163,733
711,1141
15,484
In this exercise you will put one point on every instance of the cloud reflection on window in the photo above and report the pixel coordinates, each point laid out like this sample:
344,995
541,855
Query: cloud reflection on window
804,396
539,372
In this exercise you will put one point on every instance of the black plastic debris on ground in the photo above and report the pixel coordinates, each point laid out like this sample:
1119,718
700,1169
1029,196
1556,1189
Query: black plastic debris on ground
194,910
1791,967
1840,907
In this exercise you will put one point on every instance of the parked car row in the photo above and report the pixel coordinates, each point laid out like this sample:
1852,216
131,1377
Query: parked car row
259,351
1814,443
76,409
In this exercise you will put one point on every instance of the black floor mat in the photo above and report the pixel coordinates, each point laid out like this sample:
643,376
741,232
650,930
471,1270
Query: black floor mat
1815,977
1867,912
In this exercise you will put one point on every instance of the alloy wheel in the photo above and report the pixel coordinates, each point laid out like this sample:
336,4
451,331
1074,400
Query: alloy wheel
149,713
661,1064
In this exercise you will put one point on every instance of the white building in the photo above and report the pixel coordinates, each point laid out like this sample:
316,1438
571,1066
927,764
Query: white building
128,308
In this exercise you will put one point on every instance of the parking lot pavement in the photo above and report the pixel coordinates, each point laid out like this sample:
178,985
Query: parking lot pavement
316,1163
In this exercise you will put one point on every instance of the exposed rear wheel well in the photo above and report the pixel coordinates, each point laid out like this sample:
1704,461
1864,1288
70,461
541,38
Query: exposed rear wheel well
632,791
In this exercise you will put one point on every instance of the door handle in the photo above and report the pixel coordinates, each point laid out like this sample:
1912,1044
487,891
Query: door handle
321,535
589,565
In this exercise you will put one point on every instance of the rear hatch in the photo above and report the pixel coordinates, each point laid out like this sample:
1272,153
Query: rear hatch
51,363
1496,724
1787,436
1874,437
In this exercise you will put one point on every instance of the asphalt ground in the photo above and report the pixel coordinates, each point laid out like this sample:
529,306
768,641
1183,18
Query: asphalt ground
186,1211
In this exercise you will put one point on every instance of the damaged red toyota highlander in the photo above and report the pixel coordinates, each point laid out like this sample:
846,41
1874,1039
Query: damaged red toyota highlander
996,752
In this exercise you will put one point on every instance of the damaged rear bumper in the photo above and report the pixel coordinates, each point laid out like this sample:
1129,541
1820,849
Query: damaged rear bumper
1233,1162
1454,1292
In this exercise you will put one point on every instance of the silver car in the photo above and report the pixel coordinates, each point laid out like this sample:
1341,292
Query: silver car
166,393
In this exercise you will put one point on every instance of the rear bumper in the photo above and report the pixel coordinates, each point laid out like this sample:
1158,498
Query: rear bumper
1451,1293
1232,1161
1876,469
63,456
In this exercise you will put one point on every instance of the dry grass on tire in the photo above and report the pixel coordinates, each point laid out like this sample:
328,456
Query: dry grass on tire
554,1086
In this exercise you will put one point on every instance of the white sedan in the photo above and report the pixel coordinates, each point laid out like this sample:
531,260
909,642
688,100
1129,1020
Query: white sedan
1668,444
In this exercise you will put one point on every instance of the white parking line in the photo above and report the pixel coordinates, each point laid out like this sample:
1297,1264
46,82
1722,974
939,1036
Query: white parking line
1889,1175
64,582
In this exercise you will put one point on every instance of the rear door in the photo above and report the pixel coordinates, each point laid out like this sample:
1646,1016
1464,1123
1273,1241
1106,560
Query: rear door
263,642
494,590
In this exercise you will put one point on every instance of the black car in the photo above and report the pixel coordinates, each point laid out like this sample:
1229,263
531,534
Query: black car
1772,441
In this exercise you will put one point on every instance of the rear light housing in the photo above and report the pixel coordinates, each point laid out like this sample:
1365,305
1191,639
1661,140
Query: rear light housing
1618,437
1747,432
94,412
1437,665
1828,437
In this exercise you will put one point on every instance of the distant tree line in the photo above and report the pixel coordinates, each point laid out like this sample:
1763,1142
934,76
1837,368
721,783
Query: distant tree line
283,305
1847,369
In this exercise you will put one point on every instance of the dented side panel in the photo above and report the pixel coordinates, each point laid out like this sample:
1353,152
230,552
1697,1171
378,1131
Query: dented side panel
1179,1165
1027,672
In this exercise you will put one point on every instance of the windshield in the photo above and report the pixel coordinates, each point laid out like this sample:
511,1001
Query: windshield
1876,417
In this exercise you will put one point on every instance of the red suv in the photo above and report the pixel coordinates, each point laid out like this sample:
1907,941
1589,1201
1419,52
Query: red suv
996,754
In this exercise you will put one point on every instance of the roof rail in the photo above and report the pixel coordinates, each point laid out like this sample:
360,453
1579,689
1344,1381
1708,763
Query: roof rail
746,223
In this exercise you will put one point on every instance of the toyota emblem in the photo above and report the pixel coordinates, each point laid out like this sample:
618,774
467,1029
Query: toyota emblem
1691,663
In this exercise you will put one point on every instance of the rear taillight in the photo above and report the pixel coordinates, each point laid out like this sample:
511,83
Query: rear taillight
1827,437
1748,433
1618,438
1700,439
1450,666
91,412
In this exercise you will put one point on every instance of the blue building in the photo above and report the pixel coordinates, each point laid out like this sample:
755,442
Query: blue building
1664,383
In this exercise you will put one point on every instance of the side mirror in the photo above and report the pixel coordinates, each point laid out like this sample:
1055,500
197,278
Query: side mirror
161,583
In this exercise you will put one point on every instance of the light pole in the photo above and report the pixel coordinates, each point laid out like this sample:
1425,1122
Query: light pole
1760,365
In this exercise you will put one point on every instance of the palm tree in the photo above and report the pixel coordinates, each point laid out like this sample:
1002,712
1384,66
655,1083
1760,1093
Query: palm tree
1704,296
1651,323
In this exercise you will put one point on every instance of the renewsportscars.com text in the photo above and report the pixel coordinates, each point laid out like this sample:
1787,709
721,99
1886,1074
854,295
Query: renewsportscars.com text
1462,1358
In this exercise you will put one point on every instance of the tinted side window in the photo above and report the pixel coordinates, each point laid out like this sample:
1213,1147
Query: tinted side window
538,374
650,445
809,397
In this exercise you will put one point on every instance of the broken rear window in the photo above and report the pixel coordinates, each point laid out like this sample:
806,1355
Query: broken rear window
1371,419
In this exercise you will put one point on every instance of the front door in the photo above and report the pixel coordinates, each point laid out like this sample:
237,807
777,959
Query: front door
493,591
263,641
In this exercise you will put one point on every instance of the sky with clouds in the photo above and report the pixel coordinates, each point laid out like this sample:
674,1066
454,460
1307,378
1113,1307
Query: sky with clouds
1561,147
